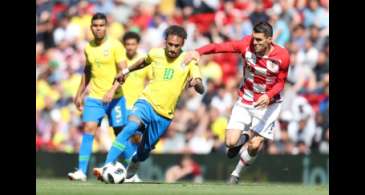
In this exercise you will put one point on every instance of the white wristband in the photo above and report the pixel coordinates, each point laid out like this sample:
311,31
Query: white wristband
125,71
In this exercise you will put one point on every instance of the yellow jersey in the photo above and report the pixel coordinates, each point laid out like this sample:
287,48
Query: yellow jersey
135,82
104,60
169,80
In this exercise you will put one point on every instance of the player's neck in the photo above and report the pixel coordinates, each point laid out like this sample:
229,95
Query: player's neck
266,52
170,59
131,56
100,41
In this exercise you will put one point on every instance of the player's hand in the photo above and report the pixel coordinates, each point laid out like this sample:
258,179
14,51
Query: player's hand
108,97
262,102
78,101
191,55
121,78
192,82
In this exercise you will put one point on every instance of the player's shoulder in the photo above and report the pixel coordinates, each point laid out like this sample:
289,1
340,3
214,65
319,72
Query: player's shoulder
89,45
281,51
247,38
282,54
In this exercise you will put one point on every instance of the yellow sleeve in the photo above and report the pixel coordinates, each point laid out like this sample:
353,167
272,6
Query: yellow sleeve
148,58
194,70
118,52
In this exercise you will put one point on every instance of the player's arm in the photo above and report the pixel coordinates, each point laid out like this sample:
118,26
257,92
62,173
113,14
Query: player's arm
110,94
265,99
279,86
139,64
195,80
197,84
212,48
85,79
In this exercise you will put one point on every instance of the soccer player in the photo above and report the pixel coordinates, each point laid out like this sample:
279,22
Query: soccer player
155,108
135,82
255,112
104,59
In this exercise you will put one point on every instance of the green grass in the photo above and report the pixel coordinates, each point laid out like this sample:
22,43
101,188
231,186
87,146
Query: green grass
93,187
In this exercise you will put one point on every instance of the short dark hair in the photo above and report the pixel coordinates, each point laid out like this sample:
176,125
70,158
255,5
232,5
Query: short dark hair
176,30
263,27
131,35
99,16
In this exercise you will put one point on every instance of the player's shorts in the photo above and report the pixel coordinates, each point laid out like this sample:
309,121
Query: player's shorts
262,121
155,126
95,110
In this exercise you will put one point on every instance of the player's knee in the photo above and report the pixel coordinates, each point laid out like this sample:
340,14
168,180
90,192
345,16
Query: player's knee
90,128
230,142
134,119
254,145
136,138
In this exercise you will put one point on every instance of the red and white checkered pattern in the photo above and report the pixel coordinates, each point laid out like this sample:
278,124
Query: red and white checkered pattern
262,75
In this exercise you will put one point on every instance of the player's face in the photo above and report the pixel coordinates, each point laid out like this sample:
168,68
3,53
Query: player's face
98,28
261,42
174,44
131,46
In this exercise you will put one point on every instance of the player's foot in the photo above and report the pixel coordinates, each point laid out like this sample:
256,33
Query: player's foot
133,179
77,176
132,169
233,179
98,172
232,152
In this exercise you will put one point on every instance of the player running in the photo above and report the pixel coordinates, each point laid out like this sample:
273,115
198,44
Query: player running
258,107
104,59
154,110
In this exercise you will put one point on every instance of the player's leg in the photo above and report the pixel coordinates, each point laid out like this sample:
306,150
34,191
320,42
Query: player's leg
235,136
92,116
117,114
122,144
261,129
248,154
156,128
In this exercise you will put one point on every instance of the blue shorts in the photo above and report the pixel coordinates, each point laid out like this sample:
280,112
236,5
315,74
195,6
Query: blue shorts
155,126
95,110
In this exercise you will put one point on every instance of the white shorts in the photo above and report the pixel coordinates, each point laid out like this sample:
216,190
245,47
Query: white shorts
246,117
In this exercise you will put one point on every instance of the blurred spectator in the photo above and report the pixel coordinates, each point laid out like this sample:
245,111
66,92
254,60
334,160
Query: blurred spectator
186,170
315,14
259,13
281,29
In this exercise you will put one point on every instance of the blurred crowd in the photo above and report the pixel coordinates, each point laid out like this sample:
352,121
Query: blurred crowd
302,26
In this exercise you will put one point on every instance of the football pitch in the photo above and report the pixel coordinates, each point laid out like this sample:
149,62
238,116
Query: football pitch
93,187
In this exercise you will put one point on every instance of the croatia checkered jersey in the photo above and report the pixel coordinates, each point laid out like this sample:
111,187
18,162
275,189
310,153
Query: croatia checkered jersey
262,75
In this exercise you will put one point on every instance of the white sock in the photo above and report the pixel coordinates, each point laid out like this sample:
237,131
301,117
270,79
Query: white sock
244,161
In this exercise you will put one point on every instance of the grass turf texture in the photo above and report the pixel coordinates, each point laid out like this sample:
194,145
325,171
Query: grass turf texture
47,186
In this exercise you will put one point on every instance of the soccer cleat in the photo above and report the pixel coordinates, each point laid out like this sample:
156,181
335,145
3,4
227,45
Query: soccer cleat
133,179
233,180
232,152
98,172
77,176
132,169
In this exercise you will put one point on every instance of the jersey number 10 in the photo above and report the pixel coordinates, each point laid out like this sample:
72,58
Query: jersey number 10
169,73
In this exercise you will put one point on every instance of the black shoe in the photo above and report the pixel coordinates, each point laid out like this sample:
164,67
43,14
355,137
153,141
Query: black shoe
232,152
233,180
